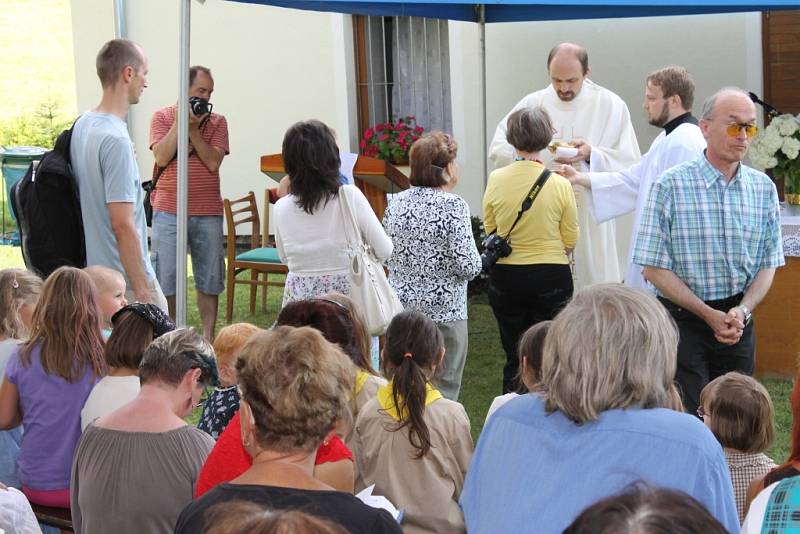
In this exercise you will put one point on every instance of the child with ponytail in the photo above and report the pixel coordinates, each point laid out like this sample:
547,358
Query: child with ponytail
411,442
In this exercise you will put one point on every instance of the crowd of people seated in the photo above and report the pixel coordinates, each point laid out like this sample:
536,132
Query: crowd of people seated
589,435
598,416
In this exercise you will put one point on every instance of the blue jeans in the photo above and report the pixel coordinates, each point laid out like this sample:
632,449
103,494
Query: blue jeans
206,243
10,442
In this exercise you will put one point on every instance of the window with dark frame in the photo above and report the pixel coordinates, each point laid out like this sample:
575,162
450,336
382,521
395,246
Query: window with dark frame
402,69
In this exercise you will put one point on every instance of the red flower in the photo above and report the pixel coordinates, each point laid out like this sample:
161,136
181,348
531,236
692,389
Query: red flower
383,137
368,134
379,127
362,144
419,130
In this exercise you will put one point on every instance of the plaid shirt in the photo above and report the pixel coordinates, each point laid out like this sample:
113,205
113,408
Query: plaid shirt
715,236
744,467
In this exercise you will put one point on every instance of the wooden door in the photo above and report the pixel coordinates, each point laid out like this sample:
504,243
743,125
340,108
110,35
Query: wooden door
781,59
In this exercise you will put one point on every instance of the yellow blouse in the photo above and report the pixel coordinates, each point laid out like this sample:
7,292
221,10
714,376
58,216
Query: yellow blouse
546,229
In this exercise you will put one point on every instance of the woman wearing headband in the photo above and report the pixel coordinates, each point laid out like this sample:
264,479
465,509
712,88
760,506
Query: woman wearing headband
135,327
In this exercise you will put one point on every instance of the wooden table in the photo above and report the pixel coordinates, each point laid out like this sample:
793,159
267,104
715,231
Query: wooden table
777,318
376,178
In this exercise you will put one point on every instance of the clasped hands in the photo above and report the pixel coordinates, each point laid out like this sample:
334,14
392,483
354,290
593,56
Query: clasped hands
728,327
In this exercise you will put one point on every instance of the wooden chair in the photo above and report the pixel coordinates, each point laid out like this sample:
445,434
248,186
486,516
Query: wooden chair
54,517
259,259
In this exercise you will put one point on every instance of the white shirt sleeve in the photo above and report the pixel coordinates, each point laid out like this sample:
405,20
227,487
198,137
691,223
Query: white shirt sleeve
16,514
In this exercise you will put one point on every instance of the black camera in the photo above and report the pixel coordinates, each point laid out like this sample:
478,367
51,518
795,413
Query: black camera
200,106
494,248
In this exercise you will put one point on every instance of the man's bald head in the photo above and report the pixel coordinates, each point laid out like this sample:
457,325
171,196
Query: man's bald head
569,50
567,65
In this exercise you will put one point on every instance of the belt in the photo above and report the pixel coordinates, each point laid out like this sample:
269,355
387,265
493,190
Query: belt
721,304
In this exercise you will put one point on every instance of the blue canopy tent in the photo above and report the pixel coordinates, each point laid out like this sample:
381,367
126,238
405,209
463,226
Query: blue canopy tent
520,10
481,13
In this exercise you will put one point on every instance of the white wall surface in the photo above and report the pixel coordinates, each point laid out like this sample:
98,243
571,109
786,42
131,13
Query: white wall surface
272,67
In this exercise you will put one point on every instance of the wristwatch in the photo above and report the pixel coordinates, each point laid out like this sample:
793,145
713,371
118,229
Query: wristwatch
748,315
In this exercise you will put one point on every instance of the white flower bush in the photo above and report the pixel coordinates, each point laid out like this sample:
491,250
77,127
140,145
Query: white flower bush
778,145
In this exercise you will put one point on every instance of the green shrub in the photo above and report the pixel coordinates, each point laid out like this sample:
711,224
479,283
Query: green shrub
478,284
39,128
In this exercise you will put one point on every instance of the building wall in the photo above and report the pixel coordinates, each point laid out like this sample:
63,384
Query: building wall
272,67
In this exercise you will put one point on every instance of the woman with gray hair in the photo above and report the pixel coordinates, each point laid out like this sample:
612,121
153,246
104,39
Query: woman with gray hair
135,468
598,425
531,281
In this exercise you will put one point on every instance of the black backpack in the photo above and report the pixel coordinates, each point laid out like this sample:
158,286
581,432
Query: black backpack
47,206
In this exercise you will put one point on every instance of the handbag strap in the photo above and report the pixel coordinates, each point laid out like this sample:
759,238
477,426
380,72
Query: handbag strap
527,202
349,220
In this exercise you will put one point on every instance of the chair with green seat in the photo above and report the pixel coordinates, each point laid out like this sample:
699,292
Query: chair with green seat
259,259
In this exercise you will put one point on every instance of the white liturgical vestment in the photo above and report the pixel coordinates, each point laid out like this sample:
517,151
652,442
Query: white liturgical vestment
616,193
600,118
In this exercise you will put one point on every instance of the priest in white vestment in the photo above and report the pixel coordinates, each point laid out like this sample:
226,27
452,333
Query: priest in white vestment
597,121
669,94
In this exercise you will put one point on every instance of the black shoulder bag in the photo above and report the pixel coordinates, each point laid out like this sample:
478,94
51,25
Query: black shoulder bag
496,246
150,185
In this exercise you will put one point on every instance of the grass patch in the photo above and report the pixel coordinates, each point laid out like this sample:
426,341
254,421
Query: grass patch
484,367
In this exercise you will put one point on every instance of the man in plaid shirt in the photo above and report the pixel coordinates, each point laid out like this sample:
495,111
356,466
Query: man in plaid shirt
710,241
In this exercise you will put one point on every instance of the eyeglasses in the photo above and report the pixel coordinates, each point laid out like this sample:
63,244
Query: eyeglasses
702,411
733,129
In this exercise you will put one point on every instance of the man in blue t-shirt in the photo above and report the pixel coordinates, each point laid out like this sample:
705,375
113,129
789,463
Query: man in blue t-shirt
104,163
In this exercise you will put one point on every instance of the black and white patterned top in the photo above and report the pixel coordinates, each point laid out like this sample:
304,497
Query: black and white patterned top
218,410
434,253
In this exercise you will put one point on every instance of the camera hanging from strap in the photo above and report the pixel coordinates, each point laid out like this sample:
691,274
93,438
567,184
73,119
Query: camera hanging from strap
527,202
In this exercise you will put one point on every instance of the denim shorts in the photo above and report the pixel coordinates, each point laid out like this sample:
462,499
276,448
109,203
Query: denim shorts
205,241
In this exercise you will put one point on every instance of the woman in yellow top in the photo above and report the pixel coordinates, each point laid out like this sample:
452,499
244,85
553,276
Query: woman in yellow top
534,282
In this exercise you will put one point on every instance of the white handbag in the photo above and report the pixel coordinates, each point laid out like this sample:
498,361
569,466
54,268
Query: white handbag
369,288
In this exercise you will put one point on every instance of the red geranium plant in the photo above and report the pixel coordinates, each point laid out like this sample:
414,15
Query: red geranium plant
391,141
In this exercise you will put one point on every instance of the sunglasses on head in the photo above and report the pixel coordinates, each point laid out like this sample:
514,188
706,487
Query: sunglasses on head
733,129
207,366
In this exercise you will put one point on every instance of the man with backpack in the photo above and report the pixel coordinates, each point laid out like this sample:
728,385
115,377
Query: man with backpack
104,164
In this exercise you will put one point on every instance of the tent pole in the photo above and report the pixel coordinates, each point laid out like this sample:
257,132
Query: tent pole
484,140
183,159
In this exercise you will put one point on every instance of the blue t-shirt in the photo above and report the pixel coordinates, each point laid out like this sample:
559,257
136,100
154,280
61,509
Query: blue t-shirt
104,164
534,469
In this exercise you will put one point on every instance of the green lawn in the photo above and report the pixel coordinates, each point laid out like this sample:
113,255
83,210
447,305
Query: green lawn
482,376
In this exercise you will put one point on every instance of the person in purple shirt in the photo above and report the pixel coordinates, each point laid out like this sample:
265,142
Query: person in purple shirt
597,426
47,381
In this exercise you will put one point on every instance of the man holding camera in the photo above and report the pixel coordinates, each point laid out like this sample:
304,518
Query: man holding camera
208,144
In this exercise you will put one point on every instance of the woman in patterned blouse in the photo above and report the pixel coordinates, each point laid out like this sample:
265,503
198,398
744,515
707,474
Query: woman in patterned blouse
434,254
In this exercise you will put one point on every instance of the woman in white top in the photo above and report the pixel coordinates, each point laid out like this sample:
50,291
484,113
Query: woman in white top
135,327
309,223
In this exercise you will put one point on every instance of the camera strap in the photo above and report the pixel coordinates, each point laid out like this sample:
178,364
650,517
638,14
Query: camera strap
158,171
528,200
